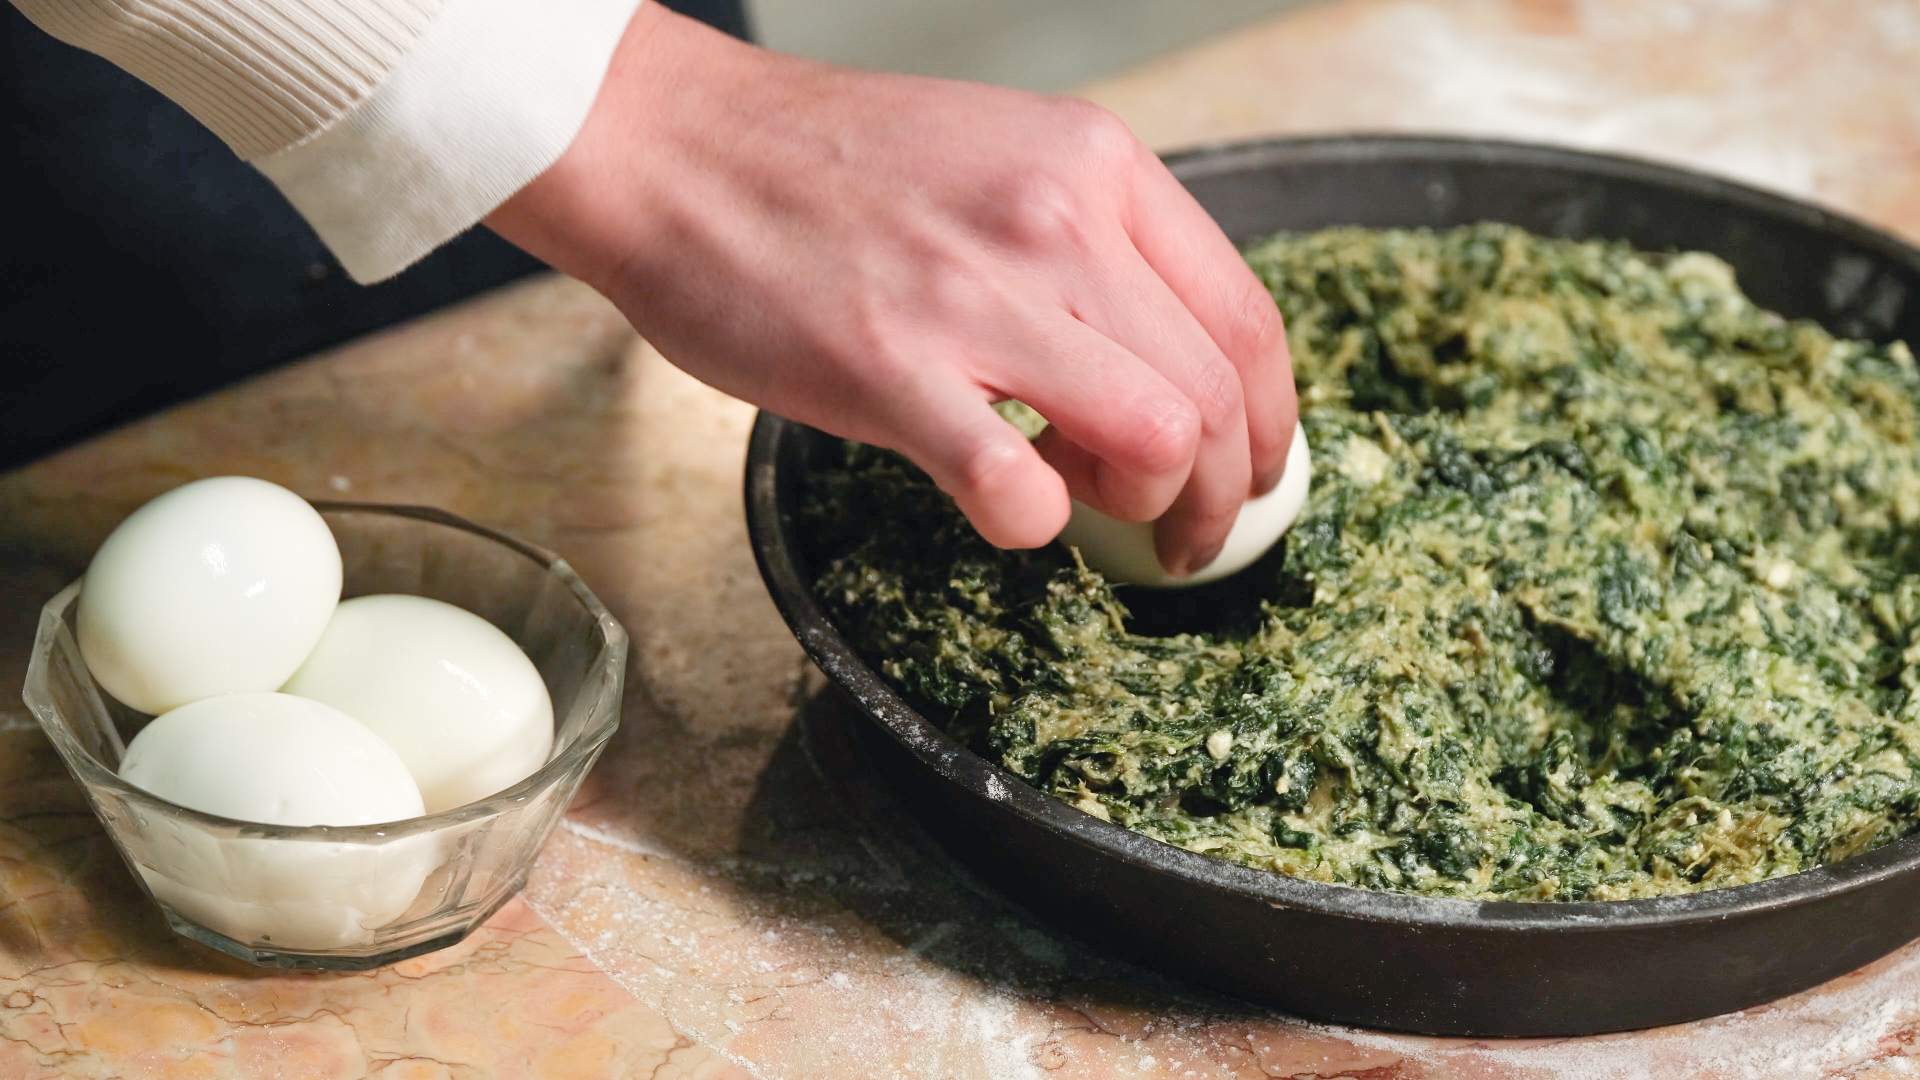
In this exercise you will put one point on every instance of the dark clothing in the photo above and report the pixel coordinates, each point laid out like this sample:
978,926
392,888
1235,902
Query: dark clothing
141,263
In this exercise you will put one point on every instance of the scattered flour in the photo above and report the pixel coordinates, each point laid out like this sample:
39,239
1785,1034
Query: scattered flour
625,843
1519,87
997,788
1830,1032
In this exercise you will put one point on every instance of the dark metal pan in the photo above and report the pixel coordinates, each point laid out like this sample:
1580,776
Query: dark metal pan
1350,955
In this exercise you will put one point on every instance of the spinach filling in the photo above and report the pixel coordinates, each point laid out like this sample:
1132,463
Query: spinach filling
1607,587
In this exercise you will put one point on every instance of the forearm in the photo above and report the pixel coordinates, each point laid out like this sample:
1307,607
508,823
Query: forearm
391,125
877,255
260,76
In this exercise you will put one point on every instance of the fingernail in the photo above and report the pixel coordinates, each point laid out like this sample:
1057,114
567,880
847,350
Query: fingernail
1204,560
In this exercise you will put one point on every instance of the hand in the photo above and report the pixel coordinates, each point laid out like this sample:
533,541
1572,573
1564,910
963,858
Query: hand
883,257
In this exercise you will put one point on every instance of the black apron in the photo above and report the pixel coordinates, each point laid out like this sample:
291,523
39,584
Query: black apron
141,263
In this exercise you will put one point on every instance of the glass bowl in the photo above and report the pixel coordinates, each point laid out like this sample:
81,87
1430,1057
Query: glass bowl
336,897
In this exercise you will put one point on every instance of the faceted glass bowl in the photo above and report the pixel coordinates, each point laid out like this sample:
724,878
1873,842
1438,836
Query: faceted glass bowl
338,897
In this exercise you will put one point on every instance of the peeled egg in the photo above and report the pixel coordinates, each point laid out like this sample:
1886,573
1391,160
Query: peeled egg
217,587
1124,551
463,706
279,760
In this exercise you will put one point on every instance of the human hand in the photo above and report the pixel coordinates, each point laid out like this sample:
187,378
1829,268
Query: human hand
883,257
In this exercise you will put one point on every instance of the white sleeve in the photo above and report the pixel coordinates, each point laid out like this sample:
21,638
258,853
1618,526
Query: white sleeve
391,125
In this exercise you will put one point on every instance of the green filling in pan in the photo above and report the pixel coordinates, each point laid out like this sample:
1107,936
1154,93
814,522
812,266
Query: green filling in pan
1608,587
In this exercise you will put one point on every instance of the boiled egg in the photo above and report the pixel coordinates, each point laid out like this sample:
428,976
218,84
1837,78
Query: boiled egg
276,759
219,586
463,706
1124,550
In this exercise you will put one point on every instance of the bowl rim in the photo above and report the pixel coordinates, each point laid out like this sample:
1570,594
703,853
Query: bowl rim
770,535
94,775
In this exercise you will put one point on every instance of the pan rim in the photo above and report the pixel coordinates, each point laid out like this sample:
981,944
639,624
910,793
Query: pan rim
769,535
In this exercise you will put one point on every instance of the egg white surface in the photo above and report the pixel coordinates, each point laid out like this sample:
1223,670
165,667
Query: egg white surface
281,760
460,702
1124,550
219,586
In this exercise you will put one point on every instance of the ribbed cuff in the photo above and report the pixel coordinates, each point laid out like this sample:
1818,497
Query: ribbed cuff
261,74
490,95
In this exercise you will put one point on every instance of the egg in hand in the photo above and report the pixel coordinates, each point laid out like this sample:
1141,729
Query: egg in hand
463,706
1124,550
216,587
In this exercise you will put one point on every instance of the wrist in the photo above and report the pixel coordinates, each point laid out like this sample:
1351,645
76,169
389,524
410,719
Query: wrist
587,214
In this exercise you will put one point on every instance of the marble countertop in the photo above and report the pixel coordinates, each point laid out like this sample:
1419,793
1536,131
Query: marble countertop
724,900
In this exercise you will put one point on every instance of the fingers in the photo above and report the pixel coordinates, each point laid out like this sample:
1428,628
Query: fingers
1200,265
1121,436
946,426
1138,311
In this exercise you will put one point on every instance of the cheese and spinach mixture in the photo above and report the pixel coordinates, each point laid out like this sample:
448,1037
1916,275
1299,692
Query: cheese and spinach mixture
1608,587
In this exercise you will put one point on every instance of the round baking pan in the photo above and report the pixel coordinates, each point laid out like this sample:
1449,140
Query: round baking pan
1378,959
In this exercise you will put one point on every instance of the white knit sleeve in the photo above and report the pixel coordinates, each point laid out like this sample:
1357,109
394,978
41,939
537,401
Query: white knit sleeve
391,125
